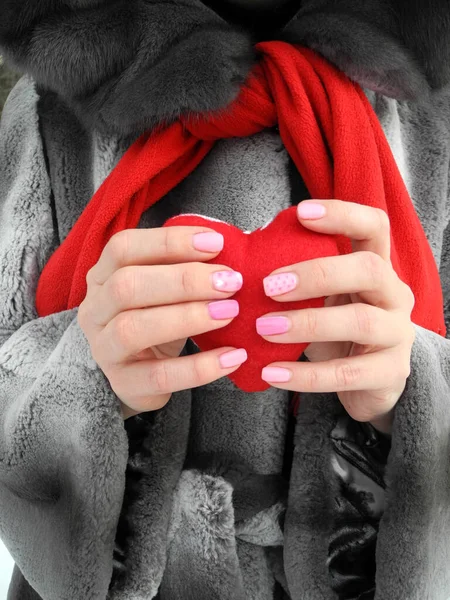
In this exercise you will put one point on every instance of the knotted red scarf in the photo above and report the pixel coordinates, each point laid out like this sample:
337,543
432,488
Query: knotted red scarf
329,129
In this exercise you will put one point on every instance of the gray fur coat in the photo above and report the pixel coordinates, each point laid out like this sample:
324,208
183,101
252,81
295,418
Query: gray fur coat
220,495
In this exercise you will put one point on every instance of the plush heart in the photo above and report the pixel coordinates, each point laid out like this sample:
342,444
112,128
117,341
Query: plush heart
283,242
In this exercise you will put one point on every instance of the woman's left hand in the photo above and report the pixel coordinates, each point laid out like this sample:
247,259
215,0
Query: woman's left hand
361,339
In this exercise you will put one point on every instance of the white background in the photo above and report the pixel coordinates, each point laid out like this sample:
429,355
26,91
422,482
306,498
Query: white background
6,567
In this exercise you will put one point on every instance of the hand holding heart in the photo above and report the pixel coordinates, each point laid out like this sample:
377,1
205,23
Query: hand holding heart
152,289
361,339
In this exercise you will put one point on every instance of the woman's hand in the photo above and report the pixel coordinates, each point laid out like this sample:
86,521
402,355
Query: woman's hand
361,340
148,292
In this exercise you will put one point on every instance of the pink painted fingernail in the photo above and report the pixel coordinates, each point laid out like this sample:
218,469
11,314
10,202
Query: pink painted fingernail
223,309
275,285
208,242
227,281
232,358
272,325
310,210
276,375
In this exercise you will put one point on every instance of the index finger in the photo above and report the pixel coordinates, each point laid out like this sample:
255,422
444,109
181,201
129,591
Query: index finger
366,226
159,246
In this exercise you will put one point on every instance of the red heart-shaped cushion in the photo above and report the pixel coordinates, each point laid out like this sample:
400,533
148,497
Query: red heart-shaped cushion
283,242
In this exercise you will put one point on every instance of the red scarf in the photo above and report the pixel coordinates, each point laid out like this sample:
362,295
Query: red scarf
329,129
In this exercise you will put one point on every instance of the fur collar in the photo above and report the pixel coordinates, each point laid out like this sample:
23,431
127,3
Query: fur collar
127,65
400,48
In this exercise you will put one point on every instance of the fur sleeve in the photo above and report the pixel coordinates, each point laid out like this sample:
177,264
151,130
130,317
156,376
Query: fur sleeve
63,448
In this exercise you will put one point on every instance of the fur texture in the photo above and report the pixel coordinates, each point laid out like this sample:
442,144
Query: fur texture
126,65
400,48
63,451
63,429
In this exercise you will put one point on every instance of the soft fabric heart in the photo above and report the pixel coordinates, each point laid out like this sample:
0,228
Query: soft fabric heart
253,255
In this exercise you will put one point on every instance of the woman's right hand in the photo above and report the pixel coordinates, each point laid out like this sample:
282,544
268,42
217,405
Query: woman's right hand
147,294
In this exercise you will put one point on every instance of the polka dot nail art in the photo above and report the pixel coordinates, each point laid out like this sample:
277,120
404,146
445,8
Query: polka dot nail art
227,281
276,285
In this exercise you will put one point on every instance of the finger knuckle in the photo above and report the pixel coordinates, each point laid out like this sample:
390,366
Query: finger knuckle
159,378
117,381
405,330
405,369
124,330
188,282
91,277
199,372
365,319
320,277
375,267
348,211
169,241
121,287
83,316
410,299
312,379
118,247
97,353
384,224
310,323
346,375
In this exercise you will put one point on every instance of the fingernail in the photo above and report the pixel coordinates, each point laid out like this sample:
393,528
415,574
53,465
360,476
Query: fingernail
275,285
208,241
223,309
310,210
232,358
272,325
227,281
276,375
